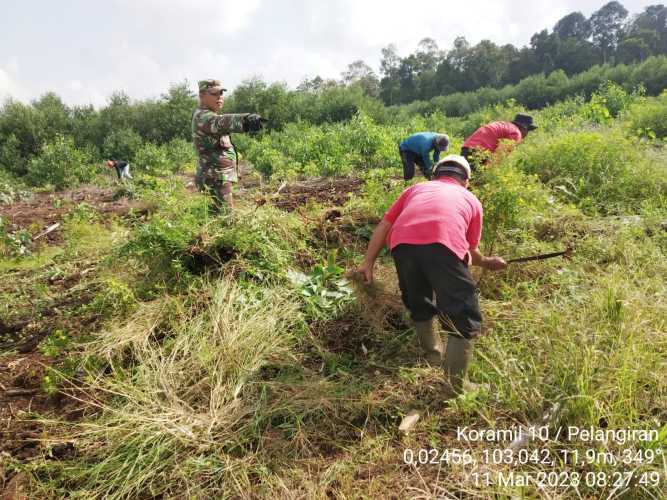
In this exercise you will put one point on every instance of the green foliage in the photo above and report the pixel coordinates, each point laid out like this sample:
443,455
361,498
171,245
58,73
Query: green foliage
153,159
168,117
59,164
599,171
10,155
54,344
165,159
649,119
122,144
14,244
181,155
380,190
114,299
266,241
337,149
538,90
510,199
160,242
608,102
325,290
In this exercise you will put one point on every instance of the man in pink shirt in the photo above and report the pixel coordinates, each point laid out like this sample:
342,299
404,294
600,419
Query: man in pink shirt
486,139
433,230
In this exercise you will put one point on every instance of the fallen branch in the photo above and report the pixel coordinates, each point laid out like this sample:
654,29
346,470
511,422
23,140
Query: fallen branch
20,392
48,230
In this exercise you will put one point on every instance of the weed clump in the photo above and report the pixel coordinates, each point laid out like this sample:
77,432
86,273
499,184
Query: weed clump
185,408
601,172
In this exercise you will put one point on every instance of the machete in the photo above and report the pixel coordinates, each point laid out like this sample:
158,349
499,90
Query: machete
542,256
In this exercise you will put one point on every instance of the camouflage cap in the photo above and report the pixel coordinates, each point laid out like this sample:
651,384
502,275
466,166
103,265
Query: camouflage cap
211,85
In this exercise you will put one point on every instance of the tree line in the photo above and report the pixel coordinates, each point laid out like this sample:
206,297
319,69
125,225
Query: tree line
578,56
609,36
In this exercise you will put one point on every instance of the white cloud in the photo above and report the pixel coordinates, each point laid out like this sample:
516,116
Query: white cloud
9,83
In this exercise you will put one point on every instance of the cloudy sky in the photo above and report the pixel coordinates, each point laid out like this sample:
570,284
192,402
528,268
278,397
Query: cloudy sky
86,49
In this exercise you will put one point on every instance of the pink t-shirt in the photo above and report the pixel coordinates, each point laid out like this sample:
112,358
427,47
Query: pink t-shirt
488,136
440,211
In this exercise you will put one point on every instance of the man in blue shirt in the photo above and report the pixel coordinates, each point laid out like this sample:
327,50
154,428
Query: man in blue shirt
417,149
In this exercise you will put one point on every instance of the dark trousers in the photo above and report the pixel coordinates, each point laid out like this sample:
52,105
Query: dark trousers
425,271
409,160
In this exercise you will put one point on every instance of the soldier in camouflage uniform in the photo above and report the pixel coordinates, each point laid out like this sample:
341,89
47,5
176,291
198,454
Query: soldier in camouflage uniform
218,166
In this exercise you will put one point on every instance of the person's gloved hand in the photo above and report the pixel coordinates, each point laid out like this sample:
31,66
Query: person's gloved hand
253,123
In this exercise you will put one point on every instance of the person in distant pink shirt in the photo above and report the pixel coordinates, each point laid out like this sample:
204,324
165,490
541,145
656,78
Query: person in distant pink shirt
486,139
433,230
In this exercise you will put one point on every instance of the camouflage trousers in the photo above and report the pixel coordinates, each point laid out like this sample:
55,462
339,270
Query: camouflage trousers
216,179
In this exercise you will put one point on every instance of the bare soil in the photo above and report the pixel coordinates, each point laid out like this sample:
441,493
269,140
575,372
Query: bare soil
330,192
23,366
39,212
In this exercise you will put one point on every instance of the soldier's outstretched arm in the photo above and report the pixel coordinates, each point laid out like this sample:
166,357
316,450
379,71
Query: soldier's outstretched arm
219,125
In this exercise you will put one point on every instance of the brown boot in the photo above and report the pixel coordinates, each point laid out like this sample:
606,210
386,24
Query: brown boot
457,359
430,341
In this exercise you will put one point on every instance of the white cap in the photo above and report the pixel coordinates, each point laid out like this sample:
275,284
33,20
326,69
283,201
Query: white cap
460,164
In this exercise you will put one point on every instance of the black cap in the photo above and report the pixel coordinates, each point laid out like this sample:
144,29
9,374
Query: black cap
525,121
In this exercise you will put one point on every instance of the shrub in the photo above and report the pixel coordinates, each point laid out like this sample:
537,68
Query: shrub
649,119
153,159
114,299
510,199
180,154
10,156
599,170
60,164
11,188
266,241
122,144
160,242
325,291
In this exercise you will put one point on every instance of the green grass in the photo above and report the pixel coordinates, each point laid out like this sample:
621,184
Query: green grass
219,377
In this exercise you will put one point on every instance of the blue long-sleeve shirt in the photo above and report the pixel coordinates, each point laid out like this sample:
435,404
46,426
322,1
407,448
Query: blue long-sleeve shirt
421,144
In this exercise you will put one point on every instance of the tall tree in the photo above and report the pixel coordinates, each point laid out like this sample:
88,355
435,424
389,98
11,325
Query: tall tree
486,65
389,67
574,25
575,56
652,20
633,49
407,79
426,60
457,63
361,74
607,28
545,47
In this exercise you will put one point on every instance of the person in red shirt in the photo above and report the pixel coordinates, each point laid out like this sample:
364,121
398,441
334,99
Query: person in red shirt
433,230
486,139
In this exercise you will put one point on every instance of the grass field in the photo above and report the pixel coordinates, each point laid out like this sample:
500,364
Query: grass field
149,349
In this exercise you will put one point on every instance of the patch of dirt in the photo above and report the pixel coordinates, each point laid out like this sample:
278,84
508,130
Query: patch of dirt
36,214
25,333
336,229
198,260
23,367
20,396
335,192
201,256
340,336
